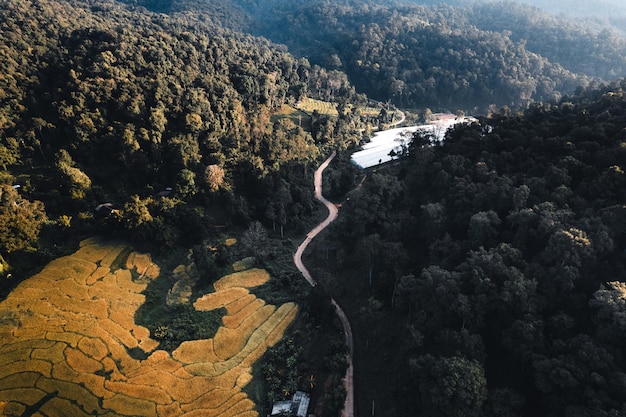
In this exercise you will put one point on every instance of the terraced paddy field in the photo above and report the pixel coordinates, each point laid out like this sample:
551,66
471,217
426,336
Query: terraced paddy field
69,345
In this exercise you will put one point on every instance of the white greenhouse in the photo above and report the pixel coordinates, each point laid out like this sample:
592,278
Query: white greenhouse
379,149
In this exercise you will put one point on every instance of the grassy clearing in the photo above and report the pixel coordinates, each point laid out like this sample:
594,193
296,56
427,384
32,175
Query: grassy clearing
370,111
326,108
297,116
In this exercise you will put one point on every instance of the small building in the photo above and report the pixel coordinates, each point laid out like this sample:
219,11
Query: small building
105,209
297,406
166,192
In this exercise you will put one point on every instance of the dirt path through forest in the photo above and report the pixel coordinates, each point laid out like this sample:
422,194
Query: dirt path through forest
348,409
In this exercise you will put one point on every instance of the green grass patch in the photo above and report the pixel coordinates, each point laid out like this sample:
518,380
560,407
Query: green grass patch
174,325
309,105
298,117
370,111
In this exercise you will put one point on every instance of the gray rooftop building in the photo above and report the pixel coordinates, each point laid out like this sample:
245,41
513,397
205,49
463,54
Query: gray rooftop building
297,406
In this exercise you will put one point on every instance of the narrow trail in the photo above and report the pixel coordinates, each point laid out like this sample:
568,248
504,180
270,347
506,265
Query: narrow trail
348,409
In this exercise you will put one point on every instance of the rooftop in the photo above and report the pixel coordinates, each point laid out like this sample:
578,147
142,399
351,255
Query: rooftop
298,405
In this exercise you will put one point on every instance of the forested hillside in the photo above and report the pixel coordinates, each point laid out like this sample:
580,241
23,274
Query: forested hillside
428,54
102,103
176,135
485,276
447,57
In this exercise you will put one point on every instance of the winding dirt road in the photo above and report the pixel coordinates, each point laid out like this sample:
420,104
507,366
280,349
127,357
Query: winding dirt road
348,409
332,215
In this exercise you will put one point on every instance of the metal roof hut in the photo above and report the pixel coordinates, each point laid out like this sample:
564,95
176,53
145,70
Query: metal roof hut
298,405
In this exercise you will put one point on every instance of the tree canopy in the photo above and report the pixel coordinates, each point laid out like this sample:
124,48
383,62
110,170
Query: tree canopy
510,298
446,56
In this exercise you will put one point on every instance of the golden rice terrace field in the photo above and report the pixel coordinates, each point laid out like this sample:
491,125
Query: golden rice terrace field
67,334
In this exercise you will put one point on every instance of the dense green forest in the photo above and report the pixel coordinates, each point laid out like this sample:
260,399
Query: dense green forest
486,275
427,54
483,277
448,57
101,103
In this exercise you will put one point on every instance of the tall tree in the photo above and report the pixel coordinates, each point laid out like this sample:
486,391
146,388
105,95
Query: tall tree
21,220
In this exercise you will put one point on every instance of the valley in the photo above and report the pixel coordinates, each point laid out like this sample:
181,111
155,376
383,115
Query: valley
163,249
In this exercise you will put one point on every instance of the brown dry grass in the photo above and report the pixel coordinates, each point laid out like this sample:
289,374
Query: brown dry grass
129,406
71,289
25,395
61,407
215,300
33,365
220,405
239,407
20,380
244,379
97,275
71,391
67,337
142,265
25,345
74,338
245,279
113,257
228,342
147,344
15,356
233,321
124,320
12,408
195,351
243,264
74,268
247,414
93,348
97,252
119,333
81,362
239,304
54,354
157,395
270,332
213,399
125,281
94,383
170,410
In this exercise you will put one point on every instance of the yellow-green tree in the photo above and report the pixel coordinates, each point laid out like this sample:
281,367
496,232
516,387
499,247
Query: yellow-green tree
20,220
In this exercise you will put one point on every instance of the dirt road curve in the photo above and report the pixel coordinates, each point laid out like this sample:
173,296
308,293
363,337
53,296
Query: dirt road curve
348,380
332,215
348,409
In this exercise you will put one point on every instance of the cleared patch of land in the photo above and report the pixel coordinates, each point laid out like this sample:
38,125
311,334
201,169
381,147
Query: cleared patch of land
309,105
71,345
